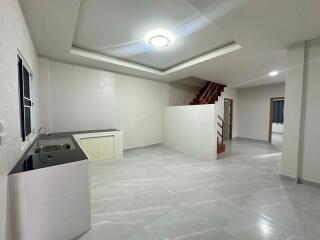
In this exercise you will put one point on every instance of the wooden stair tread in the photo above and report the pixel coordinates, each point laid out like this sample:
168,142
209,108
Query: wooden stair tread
221,148
209,93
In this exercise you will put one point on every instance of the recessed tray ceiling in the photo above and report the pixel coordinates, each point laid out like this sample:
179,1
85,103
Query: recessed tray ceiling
117,29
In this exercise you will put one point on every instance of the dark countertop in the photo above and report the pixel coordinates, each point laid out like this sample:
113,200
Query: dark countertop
30,161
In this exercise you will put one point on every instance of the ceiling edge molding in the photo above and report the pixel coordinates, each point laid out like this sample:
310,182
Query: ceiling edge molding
104,58
205,57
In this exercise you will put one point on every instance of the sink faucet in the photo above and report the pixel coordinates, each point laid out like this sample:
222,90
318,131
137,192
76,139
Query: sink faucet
48,133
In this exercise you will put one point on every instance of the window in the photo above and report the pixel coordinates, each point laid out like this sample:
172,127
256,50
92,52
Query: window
25,97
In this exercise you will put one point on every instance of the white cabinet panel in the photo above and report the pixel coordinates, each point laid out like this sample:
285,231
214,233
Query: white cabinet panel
101,145
106,147
98,148
91,147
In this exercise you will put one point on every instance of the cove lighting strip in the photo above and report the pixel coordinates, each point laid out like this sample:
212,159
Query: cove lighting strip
205,57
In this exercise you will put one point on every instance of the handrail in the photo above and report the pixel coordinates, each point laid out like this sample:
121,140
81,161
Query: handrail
206,91
221,126
221,119
209,93
213,95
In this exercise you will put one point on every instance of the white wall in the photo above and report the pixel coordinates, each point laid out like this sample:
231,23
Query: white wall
301,134
182,94
254,110
292,110
76,98
79,98
310,164
230,93
139,105
191,130
14,35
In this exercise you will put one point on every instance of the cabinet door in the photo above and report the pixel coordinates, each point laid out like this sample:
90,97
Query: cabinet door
106,147
91,147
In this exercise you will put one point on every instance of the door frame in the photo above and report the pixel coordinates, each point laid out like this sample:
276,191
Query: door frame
271,116
231,117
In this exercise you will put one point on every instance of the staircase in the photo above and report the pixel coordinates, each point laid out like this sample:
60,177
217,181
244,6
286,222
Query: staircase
209,94
220,144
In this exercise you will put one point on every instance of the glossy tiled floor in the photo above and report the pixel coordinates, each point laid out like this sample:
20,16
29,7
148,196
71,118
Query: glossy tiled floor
157,193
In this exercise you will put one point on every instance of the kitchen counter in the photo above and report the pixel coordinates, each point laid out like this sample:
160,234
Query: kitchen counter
30,161
54,202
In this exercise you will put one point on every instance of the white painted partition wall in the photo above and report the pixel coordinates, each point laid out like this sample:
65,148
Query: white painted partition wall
191,130
302,113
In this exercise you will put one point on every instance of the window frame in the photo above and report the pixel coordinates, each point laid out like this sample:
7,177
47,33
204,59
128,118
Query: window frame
22,106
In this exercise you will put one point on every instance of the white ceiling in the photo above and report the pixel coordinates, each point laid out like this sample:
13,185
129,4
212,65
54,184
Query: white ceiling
115,27
192,81
118,27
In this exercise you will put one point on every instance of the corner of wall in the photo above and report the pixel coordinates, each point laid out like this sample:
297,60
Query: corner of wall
292,110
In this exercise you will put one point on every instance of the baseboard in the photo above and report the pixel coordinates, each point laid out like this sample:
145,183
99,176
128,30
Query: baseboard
144,146
309,182
251,139
286,177
301,181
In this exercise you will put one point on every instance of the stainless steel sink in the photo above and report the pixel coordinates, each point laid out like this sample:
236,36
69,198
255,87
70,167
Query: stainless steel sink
52,148
54,145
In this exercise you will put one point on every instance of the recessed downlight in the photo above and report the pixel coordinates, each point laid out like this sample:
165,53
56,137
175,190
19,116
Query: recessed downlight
159,38
273,73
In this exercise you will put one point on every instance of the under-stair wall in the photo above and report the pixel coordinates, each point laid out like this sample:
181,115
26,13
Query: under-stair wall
209,94
191,129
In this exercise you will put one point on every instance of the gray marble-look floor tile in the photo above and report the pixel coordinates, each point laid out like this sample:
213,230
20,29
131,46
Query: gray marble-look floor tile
156,193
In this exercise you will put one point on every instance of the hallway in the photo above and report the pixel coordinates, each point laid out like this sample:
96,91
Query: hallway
157,193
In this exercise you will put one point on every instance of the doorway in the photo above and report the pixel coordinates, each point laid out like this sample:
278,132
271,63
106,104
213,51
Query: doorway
276,120
228,118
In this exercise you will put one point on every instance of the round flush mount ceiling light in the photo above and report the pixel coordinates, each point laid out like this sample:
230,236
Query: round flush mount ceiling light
273,73
159,39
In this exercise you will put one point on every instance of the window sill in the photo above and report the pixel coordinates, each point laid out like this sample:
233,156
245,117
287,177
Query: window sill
26,144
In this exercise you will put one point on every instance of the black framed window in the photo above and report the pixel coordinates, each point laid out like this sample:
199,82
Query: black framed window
25,98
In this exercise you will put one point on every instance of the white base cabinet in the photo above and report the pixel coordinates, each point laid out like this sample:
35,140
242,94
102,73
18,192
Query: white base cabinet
98,148
102,145
51,203
106,147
